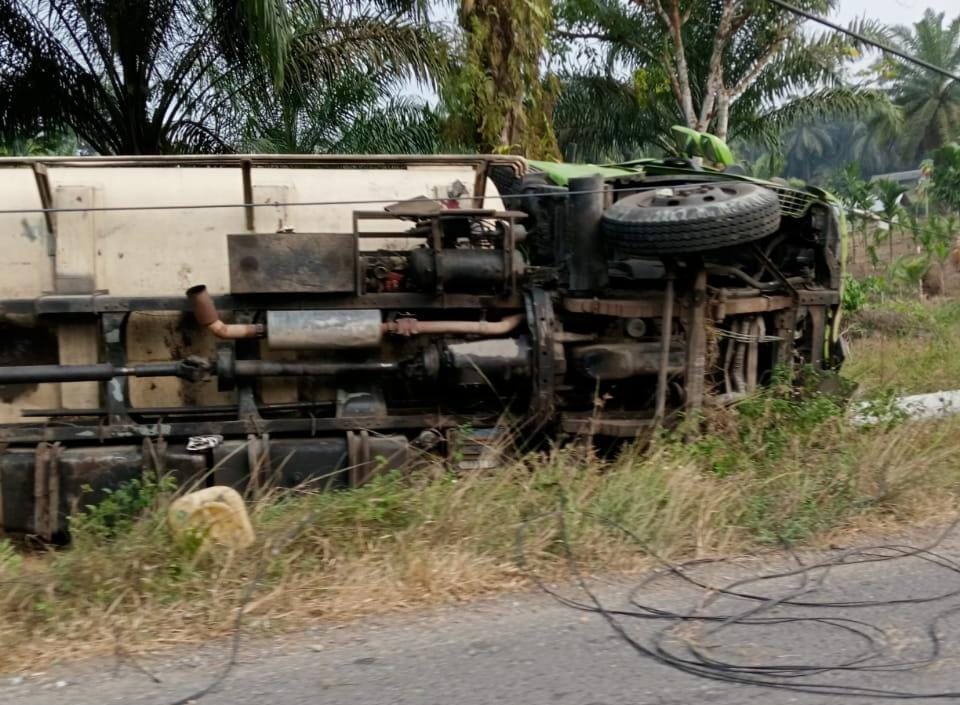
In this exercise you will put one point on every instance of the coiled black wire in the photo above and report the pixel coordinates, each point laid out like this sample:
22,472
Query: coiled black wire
667,644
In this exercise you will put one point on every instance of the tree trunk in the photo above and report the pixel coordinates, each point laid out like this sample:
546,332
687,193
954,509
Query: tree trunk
505,41
723,114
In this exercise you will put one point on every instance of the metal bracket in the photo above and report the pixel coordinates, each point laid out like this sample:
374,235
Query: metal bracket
542,325
768,263
155,454
46,201
245,169
258,460
116,389
46,490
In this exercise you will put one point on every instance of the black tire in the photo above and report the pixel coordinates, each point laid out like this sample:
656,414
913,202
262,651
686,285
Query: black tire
691,218
512,188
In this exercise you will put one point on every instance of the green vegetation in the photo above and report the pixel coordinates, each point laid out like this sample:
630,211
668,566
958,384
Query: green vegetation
905,346
780,467
588,81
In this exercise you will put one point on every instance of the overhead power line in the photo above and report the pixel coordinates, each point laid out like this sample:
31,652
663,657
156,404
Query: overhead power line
866,40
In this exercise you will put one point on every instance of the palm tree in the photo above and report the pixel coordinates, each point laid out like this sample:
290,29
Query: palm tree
598,118
889,193
496,97
737,68
349,115
930,102
344,61
153,76
806,145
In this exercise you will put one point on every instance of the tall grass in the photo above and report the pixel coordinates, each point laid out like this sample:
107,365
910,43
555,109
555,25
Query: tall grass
776,468
909,347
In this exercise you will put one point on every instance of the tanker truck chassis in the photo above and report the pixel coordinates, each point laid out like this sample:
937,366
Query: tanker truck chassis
263,321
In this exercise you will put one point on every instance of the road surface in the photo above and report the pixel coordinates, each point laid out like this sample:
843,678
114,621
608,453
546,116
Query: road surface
530,650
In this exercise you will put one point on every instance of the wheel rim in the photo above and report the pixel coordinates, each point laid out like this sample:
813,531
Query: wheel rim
686,196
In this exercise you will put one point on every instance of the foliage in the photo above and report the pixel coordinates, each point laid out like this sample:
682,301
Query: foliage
945,184
10,561
909,346
859,293
930,102
909,271
779,466
117,510
58,144
180,75
850,188
497,93
734,68
599,118
126,77
889,193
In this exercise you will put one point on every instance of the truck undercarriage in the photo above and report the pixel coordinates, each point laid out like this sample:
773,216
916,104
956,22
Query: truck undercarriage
602,306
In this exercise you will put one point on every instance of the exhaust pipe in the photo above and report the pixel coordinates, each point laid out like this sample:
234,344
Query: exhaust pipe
206,314
411,326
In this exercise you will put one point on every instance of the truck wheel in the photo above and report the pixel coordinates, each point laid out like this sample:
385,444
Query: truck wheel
509,184
693,218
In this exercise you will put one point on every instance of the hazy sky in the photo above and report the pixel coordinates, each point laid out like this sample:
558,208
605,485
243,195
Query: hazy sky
894,11
886,11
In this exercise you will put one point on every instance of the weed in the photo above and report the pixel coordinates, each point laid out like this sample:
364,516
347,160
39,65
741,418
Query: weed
782,466
118,509
10,561
909,347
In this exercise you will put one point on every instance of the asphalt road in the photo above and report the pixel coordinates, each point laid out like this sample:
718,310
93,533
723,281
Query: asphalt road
529,649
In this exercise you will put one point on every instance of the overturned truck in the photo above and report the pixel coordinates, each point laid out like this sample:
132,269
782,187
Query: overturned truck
254,320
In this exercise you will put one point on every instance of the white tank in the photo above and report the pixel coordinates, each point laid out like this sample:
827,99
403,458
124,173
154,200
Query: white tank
154,226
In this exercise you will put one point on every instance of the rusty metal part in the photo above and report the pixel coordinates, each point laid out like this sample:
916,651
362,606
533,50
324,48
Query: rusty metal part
611,361
742,328
207,316
86,304
46,490
725,307
92,432
279,368
293,263
478,448
696,343
648,306
549,361
666,334
615,425
324,330
818,297
757,329
586,263
154,411
370,455
459,270
480,362
303,463
818,332
42,177
192,369
246,168
407,326
737,272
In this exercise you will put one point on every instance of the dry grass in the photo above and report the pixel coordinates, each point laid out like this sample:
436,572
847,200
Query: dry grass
908,347
773,470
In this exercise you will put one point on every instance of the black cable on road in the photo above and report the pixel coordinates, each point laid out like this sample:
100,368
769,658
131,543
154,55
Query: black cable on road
866,40
690,639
